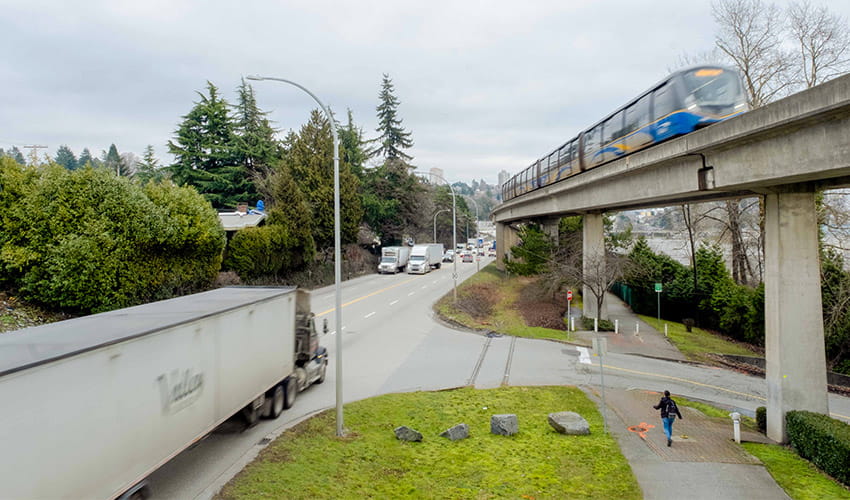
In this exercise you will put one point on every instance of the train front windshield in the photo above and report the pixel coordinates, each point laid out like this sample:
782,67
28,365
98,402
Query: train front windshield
713,87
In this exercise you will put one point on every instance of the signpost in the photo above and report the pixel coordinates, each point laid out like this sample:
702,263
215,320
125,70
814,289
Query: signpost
658,292
569,302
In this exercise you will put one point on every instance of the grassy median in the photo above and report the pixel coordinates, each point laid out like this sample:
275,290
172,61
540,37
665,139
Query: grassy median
309,461
491,300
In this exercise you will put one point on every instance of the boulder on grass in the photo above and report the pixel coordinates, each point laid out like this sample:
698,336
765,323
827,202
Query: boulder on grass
504,425
460,431
569,422
405,433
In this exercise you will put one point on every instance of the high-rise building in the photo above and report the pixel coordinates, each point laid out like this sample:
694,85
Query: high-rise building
436,176
504,175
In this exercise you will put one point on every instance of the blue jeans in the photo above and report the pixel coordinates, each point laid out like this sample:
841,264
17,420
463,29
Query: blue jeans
668,426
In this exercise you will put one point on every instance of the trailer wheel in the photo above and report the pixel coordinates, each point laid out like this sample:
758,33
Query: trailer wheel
251,415
291,392
277,401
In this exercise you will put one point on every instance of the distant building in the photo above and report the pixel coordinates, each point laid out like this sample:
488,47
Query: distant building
437,175
504,176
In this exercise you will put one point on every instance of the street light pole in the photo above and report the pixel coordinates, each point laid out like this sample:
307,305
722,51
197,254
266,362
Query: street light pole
477,256
454,227
435,222
337,249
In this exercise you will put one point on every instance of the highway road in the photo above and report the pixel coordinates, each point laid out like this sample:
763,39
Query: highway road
393,343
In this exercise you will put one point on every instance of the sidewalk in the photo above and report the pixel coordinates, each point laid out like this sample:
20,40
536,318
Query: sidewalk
704,462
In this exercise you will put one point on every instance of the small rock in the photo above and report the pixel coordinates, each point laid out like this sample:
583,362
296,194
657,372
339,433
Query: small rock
460,431
405,433
569,422
504,425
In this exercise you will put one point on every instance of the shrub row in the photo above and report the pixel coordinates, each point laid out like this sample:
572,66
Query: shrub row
88,241
822,440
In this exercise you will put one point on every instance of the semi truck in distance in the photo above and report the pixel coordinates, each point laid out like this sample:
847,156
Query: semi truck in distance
425,257
393,259
93,405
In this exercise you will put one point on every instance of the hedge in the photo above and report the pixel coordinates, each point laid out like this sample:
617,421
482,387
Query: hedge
822,440
89,241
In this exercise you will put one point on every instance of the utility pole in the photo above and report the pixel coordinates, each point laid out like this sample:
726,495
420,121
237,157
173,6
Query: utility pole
34,152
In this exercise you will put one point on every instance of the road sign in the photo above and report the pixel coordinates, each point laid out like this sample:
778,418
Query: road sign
569,295
658,287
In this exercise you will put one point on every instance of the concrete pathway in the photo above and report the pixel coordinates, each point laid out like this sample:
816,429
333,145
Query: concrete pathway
704,462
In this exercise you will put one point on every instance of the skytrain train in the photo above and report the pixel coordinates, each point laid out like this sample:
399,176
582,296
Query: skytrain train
685,101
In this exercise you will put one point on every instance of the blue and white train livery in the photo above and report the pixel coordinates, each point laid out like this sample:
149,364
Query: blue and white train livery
681,103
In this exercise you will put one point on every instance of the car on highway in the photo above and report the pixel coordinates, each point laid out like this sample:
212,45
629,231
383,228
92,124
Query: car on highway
491,252
449,256
467,257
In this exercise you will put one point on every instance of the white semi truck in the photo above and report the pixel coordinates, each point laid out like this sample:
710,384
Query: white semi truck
424,257
393,259
91,406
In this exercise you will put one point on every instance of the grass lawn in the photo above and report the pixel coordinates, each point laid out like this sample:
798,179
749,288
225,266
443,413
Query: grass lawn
503,292
697,343
800,479
309,461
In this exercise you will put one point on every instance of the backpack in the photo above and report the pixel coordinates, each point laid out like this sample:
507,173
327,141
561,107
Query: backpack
672,410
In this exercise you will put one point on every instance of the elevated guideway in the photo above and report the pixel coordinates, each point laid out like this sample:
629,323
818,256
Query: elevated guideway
784,152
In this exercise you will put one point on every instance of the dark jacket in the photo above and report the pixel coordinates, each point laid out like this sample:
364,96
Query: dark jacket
663,406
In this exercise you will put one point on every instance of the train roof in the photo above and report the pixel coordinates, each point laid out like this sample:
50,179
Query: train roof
37,345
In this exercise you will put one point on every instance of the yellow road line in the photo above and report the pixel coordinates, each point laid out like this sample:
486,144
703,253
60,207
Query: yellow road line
709,386
382,290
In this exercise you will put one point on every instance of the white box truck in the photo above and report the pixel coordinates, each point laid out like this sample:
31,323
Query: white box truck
93,405
424,257
393,259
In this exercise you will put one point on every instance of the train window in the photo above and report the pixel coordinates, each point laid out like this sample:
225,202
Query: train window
591,146
613,128
664,101
637,115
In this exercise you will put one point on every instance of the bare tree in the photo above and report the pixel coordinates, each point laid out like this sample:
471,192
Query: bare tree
822,42
750,34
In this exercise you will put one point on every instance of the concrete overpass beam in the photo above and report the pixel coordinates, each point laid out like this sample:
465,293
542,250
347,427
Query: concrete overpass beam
795,357
593,264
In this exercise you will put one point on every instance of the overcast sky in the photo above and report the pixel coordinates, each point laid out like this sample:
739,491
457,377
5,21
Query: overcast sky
483,86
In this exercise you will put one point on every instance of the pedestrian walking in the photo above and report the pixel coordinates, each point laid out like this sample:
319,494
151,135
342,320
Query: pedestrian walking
669,410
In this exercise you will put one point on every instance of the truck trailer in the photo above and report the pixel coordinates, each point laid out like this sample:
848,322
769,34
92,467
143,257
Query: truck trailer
393,259
424,257
93,405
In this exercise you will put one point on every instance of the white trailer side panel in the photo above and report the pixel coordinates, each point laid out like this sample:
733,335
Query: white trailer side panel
96,404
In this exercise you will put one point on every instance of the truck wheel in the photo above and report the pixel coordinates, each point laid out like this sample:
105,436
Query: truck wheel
324,372
277,398
291,391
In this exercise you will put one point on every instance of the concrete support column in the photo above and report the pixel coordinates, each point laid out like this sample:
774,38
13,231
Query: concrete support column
506,237
795,357
593,264
551,228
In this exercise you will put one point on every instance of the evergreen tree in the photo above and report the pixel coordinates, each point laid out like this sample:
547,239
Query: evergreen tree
113,162
351,142
392,200
393,138
66,158
205,155
85,159
16,155
255,143
148,168
309,157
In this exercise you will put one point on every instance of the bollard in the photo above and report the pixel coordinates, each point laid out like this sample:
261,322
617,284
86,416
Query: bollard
616,326
637,329
665,329
736,424
572,324
595,324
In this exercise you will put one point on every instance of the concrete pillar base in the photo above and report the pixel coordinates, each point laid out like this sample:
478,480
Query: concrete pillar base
593,265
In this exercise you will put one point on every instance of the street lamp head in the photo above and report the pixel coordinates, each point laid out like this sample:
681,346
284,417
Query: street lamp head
255,77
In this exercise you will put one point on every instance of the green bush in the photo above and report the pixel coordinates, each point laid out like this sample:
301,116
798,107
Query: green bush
761,419
603,325
89,241
822,440
266,251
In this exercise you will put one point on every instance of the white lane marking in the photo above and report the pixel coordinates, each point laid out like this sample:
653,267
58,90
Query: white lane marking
584,355
435,282
369,315
393,302
411,293
424,287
